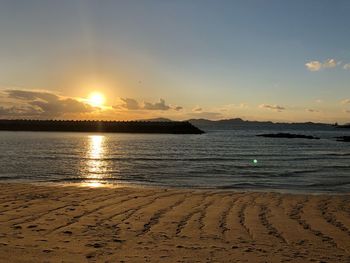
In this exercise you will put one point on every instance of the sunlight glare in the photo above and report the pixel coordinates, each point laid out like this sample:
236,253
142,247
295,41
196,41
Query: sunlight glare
96,149
96,99
95,165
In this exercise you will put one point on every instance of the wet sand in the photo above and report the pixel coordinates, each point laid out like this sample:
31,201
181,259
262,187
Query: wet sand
79,224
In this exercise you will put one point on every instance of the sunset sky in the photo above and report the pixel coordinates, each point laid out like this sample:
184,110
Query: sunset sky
180,59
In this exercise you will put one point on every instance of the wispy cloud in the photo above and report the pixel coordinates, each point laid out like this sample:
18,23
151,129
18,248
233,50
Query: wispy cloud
197,109
24,111
313,65
178,108
312,110
316,65
346,66
330,63
132,104
234,107
272,107
345,101
156,106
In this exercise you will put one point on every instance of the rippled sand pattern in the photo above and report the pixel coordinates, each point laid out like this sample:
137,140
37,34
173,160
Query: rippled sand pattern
75,224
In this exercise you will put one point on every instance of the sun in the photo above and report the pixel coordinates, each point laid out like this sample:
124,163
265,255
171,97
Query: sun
96,99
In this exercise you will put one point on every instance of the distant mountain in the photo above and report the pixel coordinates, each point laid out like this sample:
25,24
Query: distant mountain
347,126
239,123
158,120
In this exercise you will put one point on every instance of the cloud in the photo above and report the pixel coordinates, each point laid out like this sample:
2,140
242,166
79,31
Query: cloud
319,101
156,106
18,111
31,95
313,65
346,101
312,110
243,106
197,109
330,63
42,104
132,104
316,65
178,108
272,107
346,66
234,107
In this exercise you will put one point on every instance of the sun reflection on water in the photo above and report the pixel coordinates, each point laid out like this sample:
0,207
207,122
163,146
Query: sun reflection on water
96,146
93,184
95,165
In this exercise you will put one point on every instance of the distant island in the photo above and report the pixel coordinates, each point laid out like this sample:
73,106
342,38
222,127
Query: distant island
238,123
345,126
176,127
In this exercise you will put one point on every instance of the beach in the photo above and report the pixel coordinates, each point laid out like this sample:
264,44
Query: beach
53,223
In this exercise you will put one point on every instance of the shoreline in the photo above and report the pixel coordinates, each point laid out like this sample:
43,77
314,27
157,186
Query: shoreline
92,184
41,223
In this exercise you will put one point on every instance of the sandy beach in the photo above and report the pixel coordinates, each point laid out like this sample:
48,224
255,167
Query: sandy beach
40,223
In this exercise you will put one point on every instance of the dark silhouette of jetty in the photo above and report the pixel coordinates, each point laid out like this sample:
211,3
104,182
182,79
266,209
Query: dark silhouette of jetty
288,135
174,127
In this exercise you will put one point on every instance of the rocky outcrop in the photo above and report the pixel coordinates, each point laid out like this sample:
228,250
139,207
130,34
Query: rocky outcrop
343,138
288,136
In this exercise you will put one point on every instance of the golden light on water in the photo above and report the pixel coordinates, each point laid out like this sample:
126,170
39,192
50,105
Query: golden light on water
96,146
95,165
96,99
93,184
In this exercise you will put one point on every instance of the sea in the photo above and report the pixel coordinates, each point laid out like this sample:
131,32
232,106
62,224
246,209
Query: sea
228,159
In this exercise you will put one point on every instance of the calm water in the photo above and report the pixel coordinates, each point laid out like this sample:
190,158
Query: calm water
217,159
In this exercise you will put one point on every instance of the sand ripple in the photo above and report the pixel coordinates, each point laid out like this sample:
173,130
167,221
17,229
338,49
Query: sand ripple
74,224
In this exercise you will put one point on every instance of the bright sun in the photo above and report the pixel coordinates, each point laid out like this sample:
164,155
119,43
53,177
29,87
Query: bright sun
96,99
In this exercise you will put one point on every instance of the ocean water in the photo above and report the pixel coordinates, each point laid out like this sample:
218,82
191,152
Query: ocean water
221,159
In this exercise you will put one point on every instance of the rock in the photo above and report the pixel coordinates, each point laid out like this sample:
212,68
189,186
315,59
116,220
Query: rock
288,136
343,139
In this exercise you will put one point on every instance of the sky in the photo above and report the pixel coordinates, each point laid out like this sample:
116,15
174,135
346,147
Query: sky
257,60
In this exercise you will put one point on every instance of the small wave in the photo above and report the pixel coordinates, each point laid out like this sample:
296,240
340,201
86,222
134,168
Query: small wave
130,159
7,177
246,186
327,185
303,171
336,154
239,157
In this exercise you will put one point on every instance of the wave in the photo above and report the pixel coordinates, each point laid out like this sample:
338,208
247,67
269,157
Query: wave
328,184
